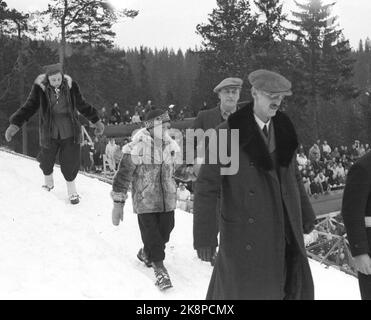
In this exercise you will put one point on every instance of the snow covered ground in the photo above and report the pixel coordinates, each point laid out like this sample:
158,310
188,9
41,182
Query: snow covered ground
50,249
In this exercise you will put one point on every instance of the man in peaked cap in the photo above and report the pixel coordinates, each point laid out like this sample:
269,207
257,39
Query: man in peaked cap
228,91
264,207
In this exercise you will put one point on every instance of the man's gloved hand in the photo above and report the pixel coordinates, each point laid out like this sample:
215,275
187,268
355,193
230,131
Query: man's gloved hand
10,132
207,254
308,227
117,213
99,128
363,263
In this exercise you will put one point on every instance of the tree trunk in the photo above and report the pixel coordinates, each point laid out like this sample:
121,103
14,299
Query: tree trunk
21,90
62,48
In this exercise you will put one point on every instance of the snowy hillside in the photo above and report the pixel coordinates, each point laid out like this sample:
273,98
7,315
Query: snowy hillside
51,249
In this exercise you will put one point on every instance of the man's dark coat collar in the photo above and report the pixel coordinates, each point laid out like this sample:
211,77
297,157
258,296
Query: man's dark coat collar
253,144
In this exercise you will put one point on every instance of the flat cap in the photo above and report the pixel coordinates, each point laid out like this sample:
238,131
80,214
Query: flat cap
154,116
270,82
53,69
229,82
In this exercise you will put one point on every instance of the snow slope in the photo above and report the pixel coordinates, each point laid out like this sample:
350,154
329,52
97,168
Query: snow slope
51,249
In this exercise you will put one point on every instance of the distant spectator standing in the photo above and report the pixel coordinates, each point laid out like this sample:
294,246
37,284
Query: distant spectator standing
115,115
204,106
367,147
110,152
326,149
323,180
136,118
301,149
171,112
126,118
182,196
86,149
361,150
148,107
103,115
117,155
314,153
181,115
340,173
99,150
302,159
354,152
138,108
335,153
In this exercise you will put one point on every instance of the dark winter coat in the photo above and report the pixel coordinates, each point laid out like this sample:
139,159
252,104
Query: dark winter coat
115,116
207,119
85,156
38,99
251,254
357,205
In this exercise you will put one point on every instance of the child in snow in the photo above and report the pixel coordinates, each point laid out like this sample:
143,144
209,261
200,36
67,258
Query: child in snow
59,99
149,163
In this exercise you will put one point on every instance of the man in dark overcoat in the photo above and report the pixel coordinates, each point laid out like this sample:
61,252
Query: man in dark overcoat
356,212
228,91
264,207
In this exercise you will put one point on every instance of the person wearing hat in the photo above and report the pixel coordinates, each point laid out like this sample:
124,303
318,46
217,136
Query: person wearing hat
356,213
264,207
228,91
59,100
148,164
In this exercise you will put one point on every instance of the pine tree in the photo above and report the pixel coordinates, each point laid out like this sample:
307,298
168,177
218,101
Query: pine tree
367,45
4,15
94,25
69,14
226,46
227,36
144,87
360,46
270,45
326,68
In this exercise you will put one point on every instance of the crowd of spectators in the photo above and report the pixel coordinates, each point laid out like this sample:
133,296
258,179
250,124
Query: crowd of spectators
102,155
117,115
324,168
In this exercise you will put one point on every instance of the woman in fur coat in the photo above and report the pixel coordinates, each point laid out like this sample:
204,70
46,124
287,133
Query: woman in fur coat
58,99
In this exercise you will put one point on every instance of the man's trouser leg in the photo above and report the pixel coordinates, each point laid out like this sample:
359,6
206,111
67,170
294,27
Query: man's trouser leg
364,286
155,229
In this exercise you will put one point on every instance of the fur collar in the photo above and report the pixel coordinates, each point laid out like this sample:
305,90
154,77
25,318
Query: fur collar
253,144
142,140
40,81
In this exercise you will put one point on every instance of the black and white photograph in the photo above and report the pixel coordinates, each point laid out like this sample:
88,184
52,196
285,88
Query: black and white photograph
204,151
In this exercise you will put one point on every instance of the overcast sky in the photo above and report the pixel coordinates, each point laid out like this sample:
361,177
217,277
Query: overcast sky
172,23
